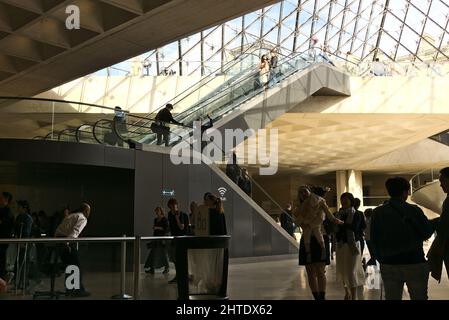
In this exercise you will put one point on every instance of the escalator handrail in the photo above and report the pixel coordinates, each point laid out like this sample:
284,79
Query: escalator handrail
118,134
212,75
66,132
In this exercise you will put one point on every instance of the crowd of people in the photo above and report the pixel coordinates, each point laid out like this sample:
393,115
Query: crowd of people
206,219
393,232
20,263
240,176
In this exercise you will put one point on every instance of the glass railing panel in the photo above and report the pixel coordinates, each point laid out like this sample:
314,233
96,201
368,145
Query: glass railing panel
32,268
44,268
85,134
68,135
157,270
52,119
423,178
109,133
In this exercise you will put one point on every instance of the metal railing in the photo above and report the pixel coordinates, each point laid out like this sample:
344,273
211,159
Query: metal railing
136,240
423,178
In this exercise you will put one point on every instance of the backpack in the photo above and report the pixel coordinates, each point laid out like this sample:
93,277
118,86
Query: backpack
155,127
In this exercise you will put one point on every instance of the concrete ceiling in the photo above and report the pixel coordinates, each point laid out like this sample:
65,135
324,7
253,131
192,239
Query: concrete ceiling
321,143
38,52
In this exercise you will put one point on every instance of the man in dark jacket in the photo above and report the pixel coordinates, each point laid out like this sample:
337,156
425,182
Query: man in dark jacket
6,228
165,117
179,226
398,230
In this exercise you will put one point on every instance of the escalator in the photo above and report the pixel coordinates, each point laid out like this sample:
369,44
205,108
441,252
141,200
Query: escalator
426,191
243,91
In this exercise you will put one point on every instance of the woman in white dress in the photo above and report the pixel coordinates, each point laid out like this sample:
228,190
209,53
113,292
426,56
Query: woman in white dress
349,262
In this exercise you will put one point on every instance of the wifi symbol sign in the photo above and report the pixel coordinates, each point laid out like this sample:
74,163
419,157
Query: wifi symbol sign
222,191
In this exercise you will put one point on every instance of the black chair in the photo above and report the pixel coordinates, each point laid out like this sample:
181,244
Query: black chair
182,246
54,267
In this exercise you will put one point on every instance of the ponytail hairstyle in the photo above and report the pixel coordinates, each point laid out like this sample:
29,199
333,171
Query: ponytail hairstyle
218,204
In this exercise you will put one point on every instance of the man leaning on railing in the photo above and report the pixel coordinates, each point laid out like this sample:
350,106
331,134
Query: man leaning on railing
71,227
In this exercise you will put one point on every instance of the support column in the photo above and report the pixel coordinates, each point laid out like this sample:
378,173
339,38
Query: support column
355,184
349,181
342,185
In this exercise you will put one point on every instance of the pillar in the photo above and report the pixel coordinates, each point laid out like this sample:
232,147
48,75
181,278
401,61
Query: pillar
349,181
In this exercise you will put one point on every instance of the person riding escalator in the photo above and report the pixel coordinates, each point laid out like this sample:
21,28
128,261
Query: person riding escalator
160,127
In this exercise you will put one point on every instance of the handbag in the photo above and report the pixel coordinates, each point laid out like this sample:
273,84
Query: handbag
155,127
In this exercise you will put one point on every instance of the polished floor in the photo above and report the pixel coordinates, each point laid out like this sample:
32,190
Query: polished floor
264,278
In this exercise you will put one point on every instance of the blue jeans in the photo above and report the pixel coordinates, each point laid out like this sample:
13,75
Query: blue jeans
273,77
415,276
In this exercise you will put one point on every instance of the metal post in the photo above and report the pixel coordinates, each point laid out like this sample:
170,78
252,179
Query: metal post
122,295
52,119
381,29
25,270
137,268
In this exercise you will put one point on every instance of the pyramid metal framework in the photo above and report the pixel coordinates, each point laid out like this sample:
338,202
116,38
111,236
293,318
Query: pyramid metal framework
414,31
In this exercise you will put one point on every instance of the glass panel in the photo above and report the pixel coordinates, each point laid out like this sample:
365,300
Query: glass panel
33,266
